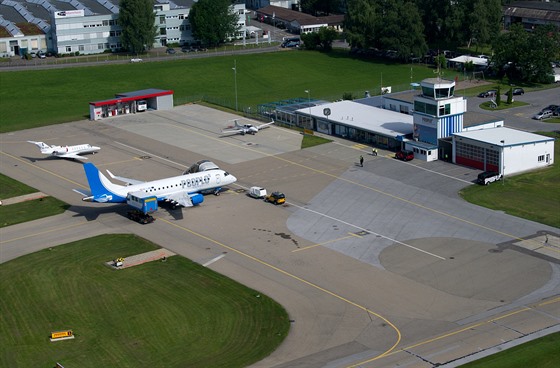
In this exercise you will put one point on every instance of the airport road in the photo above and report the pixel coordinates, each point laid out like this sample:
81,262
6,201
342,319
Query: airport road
377,266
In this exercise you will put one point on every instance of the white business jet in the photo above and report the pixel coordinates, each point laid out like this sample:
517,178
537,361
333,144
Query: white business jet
66,151
186,190
245,128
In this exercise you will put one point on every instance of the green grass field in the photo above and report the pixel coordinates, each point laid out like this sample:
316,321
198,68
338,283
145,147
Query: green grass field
534,195
25,211
541,353
41,97
159,314
12,188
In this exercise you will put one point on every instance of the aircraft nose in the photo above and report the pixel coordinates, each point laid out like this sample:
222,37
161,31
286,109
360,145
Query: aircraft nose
232,178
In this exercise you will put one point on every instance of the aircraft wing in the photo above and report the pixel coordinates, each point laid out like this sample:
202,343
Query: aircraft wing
182,198
128,181
232,130
71,155
265,125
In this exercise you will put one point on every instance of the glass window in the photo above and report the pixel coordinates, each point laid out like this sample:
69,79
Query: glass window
428,91
442,92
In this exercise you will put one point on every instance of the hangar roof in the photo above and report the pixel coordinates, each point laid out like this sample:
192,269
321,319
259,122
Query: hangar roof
364,117
511,137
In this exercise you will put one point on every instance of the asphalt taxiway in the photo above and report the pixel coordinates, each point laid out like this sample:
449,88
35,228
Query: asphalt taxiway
381,265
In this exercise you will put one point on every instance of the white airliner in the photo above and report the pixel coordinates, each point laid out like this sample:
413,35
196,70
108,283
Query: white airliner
245,128
186,190
66,151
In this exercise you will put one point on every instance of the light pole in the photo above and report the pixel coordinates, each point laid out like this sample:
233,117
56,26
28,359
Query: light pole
235,80
309,102
503,142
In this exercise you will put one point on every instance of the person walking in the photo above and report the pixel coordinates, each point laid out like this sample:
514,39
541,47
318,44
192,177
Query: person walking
361,161
374,151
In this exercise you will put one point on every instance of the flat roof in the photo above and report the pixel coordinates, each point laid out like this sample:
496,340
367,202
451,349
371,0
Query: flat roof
364,117
511,137
133,96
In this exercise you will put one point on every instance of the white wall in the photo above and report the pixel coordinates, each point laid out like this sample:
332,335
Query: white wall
525,157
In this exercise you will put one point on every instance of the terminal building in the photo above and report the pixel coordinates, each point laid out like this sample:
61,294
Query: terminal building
431,122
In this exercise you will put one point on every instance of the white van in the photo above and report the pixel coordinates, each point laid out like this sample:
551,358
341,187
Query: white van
257,192
141,105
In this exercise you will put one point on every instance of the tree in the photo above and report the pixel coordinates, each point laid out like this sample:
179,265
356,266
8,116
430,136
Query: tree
319,7
401,29
310,40
510,96
326,37
360,23
484,19
525,56
213,21
137,20
499,96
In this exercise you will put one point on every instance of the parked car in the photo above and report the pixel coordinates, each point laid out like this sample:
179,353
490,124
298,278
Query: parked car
135,60
545,114
489,93
516,91
41,55
170,50
488,177
405,155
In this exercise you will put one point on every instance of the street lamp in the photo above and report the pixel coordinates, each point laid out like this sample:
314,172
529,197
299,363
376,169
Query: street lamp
235,80
309,102
503,142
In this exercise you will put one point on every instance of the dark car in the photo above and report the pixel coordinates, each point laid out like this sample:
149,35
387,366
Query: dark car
170,50
405,155
489,93
488,177
516,91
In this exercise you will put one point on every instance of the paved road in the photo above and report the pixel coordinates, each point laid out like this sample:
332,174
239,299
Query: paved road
377,266
520,117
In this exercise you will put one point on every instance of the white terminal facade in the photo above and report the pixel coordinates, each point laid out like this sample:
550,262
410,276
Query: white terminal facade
434,124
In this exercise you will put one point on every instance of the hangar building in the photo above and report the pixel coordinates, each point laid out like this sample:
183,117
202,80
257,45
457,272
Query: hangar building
504,150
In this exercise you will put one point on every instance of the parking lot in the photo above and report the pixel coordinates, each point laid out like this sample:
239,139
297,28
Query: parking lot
377,265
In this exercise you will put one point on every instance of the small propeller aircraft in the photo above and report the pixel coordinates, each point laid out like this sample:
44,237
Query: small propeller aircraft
66,151
245,128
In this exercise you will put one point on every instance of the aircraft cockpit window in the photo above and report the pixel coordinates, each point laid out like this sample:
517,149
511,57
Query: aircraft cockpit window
226,173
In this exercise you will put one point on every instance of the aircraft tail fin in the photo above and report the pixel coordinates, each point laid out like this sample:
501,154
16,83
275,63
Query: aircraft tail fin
237,124
100,187
41,145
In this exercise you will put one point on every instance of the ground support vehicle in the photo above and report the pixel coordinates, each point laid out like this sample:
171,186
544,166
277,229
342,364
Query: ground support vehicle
140,217
276,198
257,192
143,206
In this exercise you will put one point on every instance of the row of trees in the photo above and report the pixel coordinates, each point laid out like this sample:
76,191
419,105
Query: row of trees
406,26
409,26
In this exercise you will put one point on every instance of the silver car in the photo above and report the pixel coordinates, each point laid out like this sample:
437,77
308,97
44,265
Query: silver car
545,114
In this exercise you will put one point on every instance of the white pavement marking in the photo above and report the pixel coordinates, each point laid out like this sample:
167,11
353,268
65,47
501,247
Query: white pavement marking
213,260
369,231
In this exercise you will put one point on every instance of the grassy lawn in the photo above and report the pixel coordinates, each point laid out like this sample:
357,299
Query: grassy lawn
542,353
534,196
488,106
160,314
25,211
31,210
12,188
42,97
